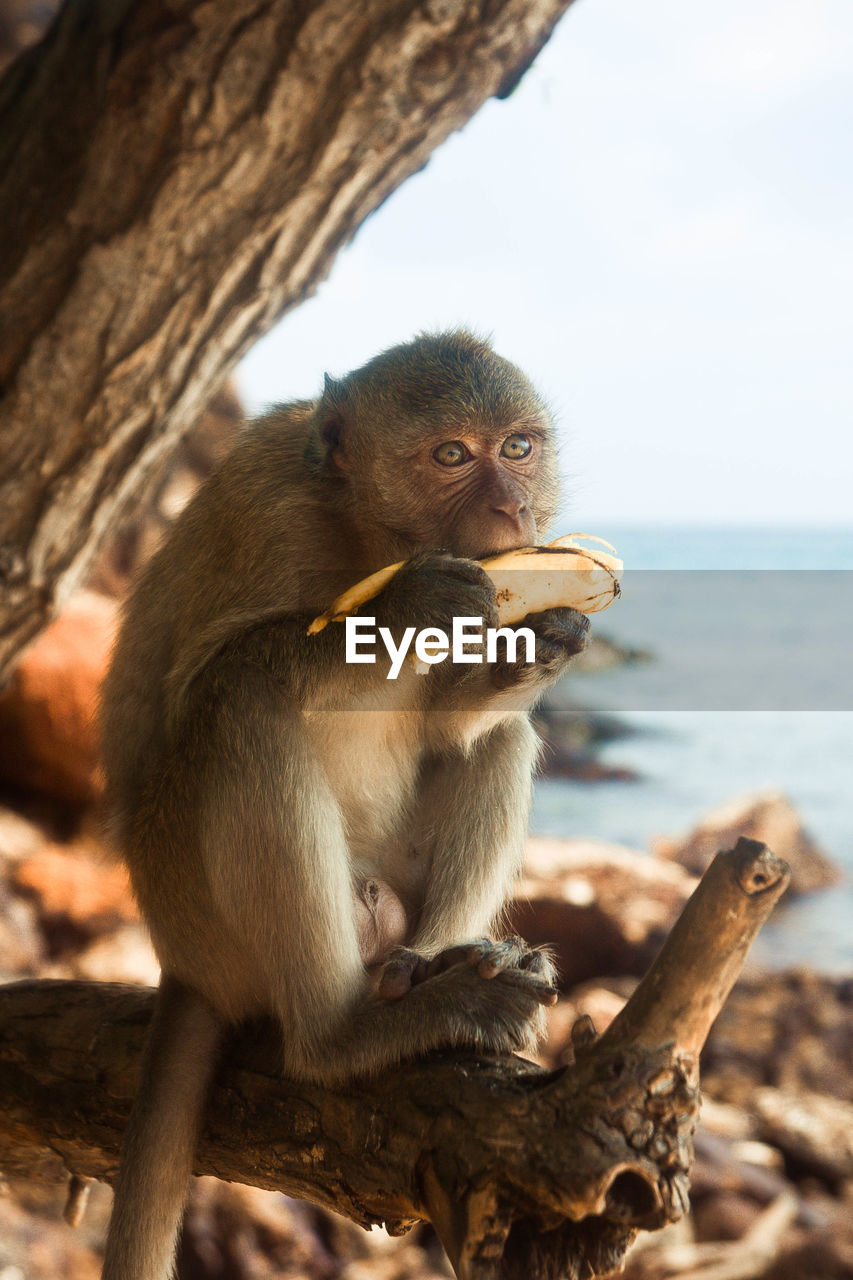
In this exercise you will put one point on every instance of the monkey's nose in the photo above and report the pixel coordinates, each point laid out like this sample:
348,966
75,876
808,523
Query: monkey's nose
515,508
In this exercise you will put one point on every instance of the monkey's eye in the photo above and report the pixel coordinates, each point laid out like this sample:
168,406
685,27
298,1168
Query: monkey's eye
516,446
451,454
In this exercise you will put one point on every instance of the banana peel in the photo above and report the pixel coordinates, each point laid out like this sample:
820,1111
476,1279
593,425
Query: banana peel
561,574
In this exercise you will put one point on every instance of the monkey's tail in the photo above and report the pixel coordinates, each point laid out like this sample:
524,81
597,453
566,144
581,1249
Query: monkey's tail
162,1135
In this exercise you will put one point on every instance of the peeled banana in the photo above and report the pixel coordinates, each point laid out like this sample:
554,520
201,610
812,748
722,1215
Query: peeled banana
527,580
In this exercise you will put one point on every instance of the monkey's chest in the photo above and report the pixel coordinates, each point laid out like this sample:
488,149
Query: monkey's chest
371,761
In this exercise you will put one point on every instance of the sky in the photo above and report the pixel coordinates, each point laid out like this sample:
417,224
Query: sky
658,227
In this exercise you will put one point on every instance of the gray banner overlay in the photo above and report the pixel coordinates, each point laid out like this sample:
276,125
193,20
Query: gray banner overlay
772,640
715,640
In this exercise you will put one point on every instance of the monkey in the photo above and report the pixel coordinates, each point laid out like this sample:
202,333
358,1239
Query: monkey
306,838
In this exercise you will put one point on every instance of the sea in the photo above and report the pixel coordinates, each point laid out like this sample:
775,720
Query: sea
745,683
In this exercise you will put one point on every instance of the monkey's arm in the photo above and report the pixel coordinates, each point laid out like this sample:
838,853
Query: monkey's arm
471,826
433,589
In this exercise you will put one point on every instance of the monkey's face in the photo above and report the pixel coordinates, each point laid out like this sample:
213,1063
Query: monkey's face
473,490
480,490
444,444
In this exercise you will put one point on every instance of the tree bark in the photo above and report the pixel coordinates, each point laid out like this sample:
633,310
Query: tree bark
176,176
525,1174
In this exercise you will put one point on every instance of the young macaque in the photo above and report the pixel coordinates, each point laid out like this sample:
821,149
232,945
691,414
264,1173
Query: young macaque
307,838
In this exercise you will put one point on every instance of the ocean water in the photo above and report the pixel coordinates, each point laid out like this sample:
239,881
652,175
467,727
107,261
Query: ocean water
750,687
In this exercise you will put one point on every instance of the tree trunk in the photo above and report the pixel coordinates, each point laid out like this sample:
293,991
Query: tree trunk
175,177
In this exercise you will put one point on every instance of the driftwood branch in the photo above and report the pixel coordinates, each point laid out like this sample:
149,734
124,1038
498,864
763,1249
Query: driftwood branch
173,178
523,1172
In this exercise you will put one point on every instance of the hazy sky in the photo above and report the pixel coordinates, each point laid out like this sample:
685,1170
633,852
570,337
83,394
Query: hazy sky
658,226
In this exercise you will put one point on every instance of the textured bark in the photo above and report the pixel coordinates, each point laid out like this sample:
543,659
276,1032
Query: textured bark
176,176
526,1174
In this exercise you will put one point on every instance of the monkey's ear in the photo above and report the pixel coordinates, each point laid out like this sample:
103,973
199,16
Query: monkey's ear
332,423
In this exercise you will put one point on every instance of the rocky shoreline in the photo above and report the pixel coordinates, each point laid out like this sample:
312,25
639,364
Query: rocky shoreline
773,1177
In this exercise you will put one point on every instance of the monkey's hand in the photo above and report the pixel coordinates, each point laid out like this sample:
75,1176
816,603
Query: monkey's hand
559,634
434,588
499,989
406,968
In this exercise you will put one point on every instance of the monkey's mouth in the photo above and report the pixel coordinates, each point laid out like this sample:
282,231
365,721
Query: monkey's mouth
495,547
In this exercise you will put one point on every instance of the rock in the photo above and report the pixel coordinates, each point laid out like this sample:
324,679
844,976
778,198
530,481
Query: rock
35,1244
792,1031
727,1215
48,738
77,894
748,1168
768,816
596,1002
814,1132
21,943
571,736
603,652
604,908
123,956
826,1254
246,1233
18,837
21,947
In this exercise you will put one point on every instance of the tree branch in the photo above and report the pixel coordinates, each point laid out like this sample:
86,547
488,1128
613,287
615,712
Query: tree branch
523,1172
175,178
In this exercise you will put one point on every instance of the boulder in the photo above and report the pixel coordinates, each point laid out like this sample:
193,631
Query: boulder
126,955
78,895
603,908
48,734
792,1031
571,737
600,1003
21,946
19,837
768,816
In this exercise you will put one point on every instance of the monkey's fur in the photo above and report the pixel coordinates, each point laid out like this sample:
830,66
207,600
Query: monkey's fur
257,781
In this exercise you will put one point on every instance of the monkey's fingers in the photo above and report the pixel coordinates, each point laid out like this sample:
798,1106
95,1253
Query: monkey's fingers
406,968
514,953
470,953
539,960
525,981
398,974
502,955
513,961
527,580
